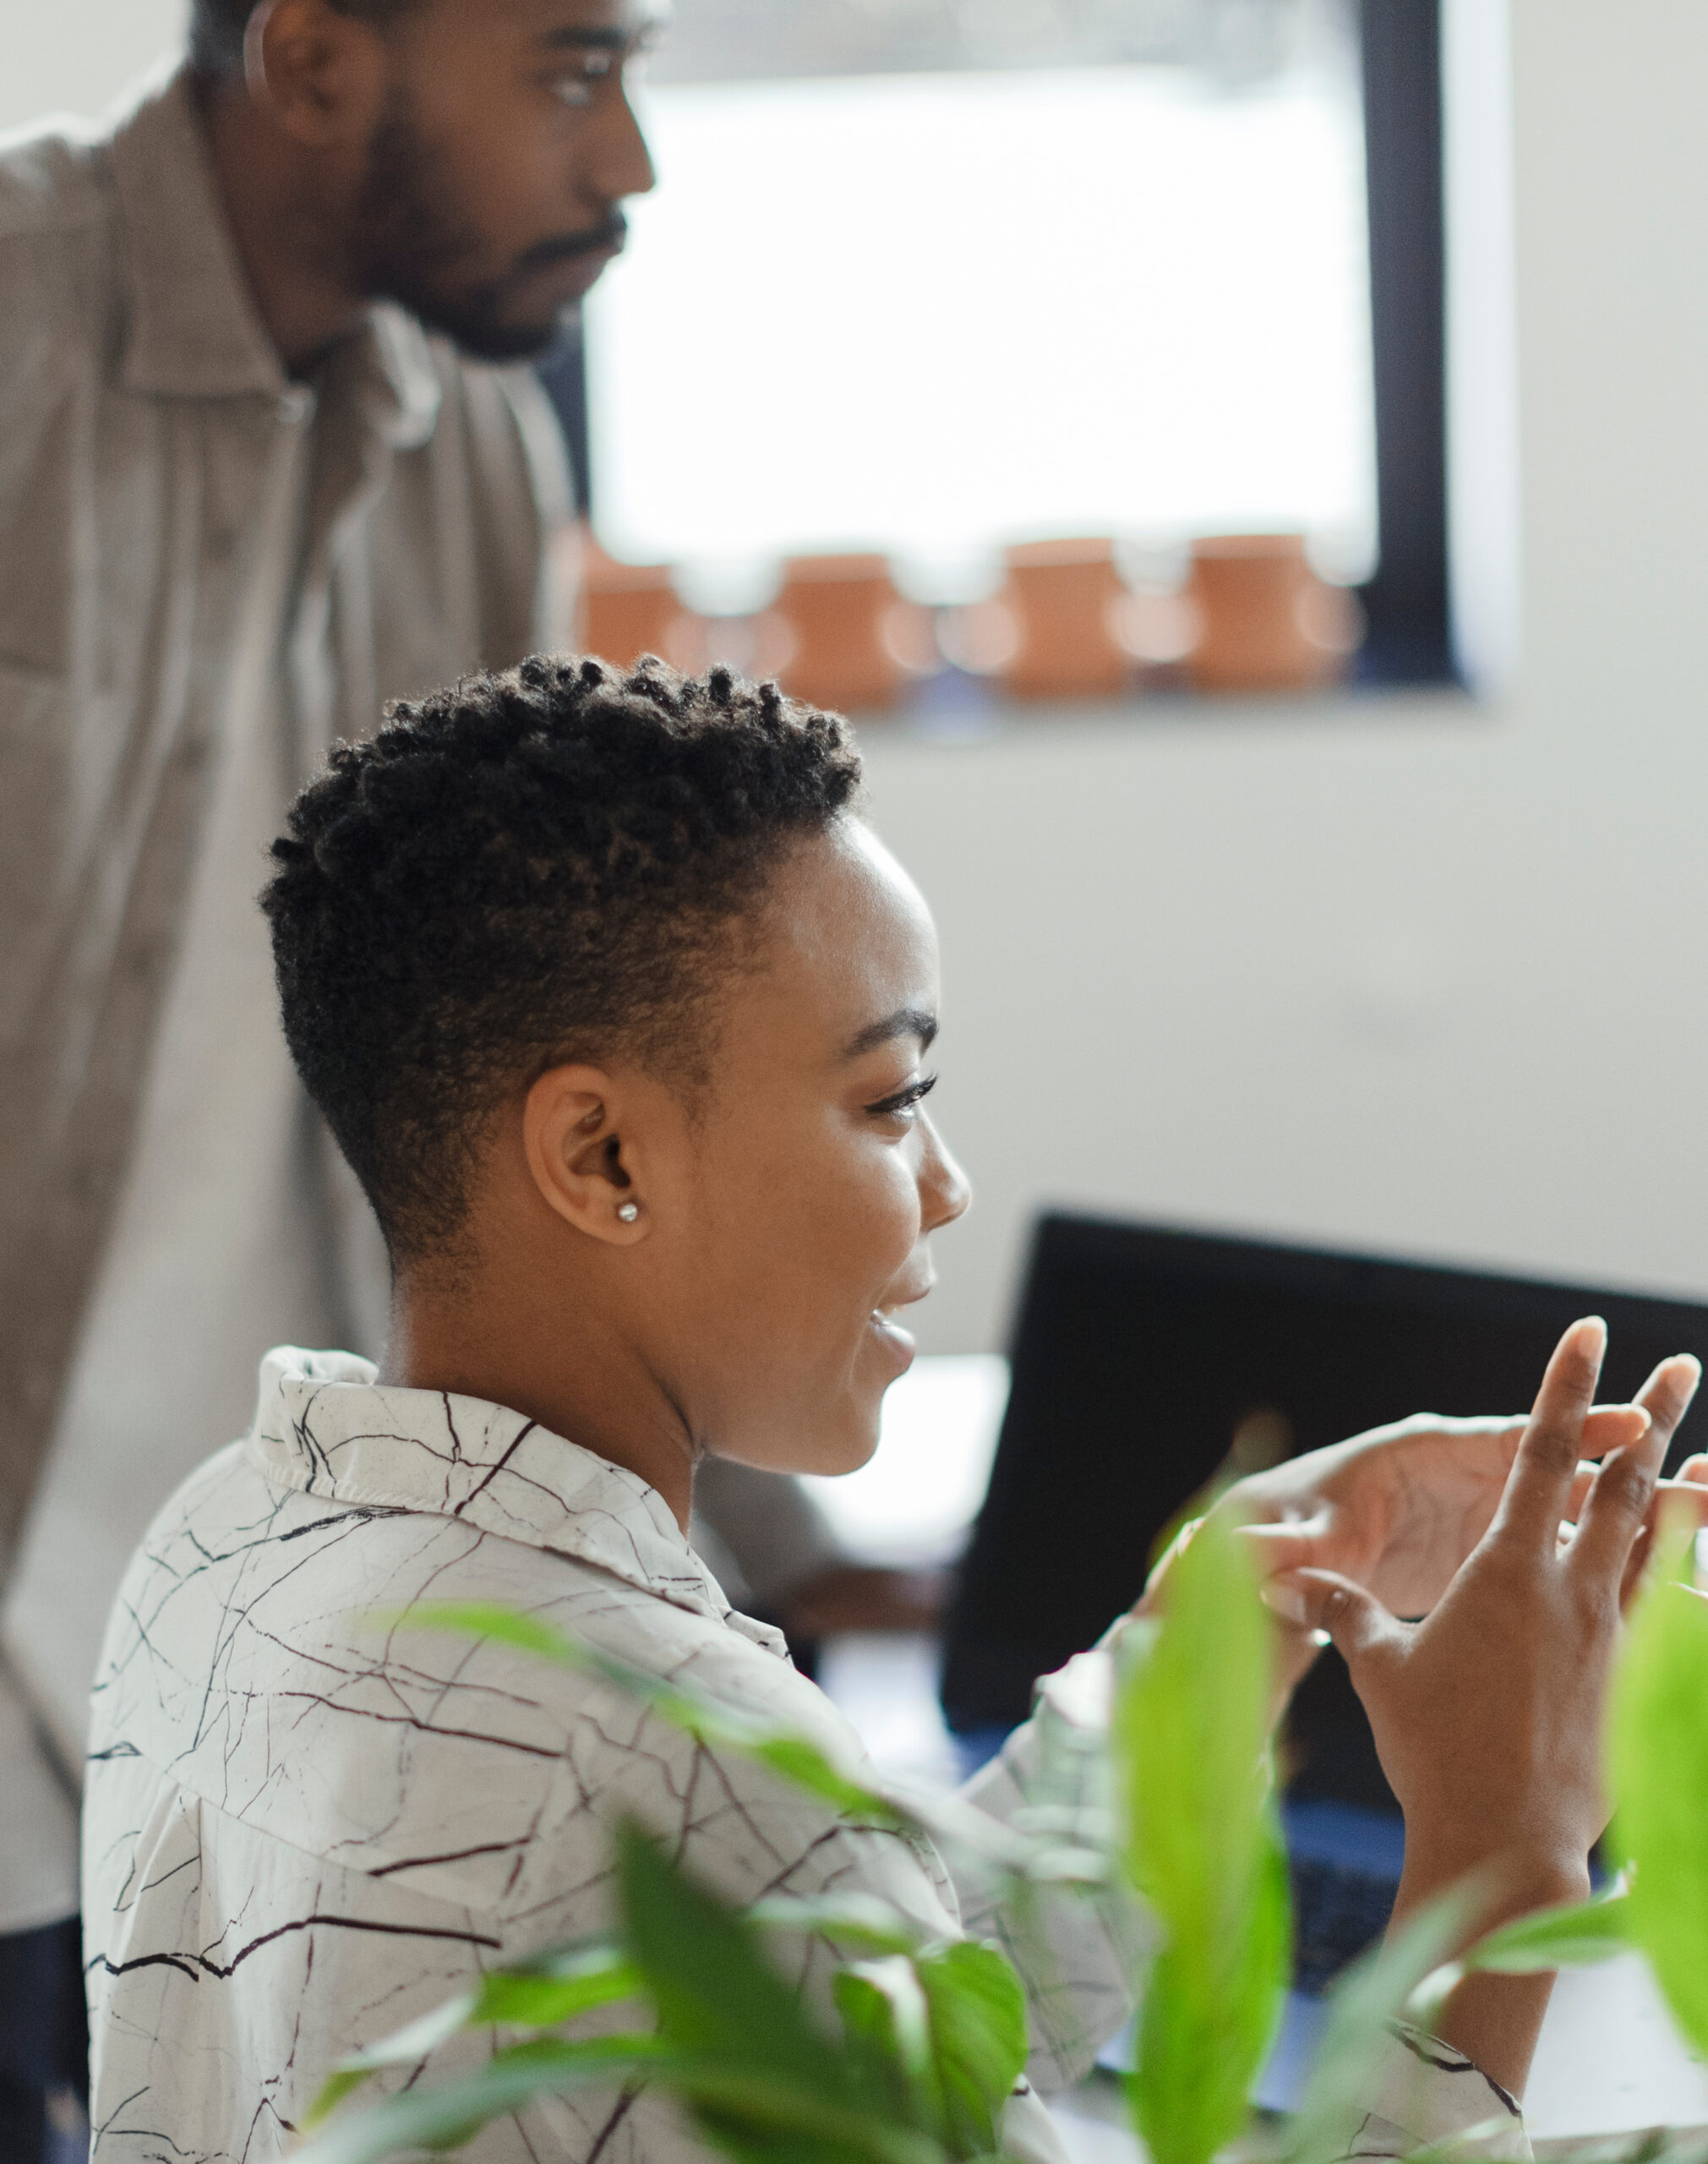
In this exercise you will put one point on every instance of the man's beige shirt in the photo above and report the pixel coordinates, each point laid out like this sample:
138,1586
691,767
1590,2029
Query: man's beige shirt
152,448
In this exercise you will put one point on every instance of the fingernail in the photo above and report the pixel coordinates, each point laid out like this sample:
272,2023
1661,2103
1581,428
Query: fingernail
1595,1339
1286,1601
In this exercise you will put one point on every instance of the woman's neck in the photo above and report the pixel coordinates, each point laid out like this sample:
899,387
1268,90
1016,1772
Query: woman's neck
471,1337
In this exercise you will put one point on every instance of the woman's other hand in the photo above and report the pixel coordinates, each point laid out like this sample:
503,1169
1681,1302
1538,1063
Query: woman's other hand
1400,1508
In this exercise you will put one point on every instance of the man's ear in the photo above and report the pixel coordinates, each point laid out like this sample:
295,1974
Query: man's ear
323,75
583,1131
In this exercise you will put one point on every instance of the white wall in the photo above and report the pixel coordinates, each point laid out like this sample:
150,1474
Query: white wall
1413,974
77,56
1417,974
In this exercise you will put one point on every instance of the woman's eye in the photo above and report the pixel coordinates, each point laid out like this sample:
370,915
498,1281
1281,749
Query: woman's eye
905,1102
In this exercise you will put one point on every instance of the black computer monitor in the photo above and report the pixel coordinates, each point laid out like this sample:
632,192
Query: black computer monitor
1141,1352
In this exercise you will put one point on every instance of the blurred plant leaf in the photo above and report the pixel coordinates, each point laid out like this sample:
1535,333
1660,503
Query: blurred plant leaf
887,2024
451,2114
1575,1936
855,1920
1199,1842
545,1994
1658,1770
764,2081
794,1758
1371,1993
538,1994
714,1990
977,2016
950,1819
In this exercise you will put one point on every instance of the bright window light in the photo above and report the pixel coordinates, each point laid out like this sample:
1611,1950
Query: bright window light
932,313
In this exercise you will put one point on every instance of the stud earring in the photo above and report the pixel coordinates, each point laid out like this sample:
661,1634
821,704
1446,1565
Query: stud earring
628,1211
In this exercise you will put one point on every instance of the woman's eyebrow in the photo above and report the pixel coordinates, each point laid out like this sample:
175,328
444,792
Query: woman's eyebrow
906,1022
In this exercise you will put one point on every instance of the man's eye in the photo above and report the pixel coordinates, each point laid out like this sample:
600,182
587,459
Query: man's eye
576,88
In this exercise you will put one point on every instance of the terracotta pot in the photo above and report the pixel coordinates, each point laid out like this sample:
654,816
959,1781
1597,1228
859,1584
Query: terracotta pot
1267,622
626,610
1065,599
842,637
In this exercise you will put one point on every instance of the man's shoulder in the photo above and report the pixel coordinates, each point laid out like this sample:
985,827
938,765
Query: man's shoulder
506,417
57,259
50,183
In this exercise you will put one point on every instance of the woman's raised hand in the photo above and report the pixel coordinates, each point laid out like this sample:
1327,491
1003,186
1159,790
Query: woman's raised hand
1487,1714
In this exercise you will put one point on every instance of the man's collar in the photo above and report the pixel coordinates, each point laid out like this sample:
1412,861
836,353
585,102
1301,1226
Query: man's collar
192,328
324,1425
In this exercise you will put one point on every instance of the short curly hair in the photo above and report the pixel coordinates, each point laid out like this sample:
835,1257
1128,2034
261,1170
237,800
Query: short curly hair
558,862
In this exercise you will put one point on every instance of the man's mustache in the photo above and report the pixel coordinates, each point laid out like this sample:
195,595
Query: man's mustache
610,234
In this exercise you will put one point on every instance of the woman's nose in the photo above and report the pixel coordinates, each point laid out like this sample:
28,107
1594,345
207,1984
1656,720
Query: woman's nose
944,1188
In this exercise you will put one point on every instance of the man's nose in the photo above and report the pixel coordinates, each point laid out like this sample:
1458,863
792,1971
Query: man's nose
622,165
945,1190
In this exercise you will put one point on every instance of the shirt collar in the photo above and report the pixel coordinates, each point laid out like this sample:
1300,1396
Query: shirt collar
192,330
324,1426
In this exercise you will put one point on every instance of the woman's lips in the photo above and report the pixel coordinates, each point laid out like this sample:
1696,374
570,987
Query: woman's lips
896,1341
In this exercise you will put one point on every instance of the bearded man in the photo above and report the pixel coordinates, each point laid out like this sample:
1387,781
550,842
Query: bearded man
270,456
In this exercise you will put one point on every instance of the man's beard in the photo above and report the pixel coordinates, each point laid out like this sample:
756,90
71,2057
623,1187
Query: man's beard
411,238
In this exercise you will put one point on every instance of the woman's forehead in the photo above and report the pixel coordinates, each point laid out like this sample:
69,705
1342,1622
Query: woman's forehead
853,946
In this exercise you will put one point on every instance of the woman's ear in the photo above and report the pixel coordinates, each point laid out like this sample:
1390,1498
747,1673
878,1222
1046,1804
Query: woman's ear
581,1132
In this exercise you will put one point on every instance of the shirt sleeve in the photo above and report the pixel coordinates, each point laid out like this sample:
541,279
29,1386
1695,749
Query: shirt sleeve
1074,1953
1076,1956
1424,2093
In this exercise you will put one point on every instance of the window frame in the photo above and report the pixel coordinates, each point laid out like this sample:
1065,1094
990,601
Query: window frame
1408,639
1409,636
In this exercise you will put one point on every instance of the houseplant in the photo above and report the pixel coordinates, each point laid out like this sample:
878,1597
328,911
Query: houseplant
1171,1809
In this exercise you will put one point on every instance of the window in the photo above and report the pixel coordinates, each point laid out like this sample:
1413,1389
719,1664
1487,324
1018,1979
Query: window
929,277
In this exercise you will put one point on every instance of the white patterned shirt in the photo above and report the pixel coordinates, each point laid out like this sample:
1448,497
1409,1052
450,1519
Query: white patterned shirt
305,1826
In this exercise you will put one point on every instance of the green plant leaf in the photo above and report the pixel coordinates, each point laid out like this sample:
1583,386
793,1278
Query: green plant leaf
764,2081
887,2024
715,1991
1658,1768
1577,1935
774,2120
793,1758
1574,1936
1198,1840
860,1920
951,1822
451,2114
542,1993
977,2023
805,1765
1203,2029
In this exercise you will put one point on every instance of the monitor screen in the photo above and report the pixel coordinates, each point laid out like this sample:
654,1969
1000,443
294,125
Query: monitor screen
1146,1359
